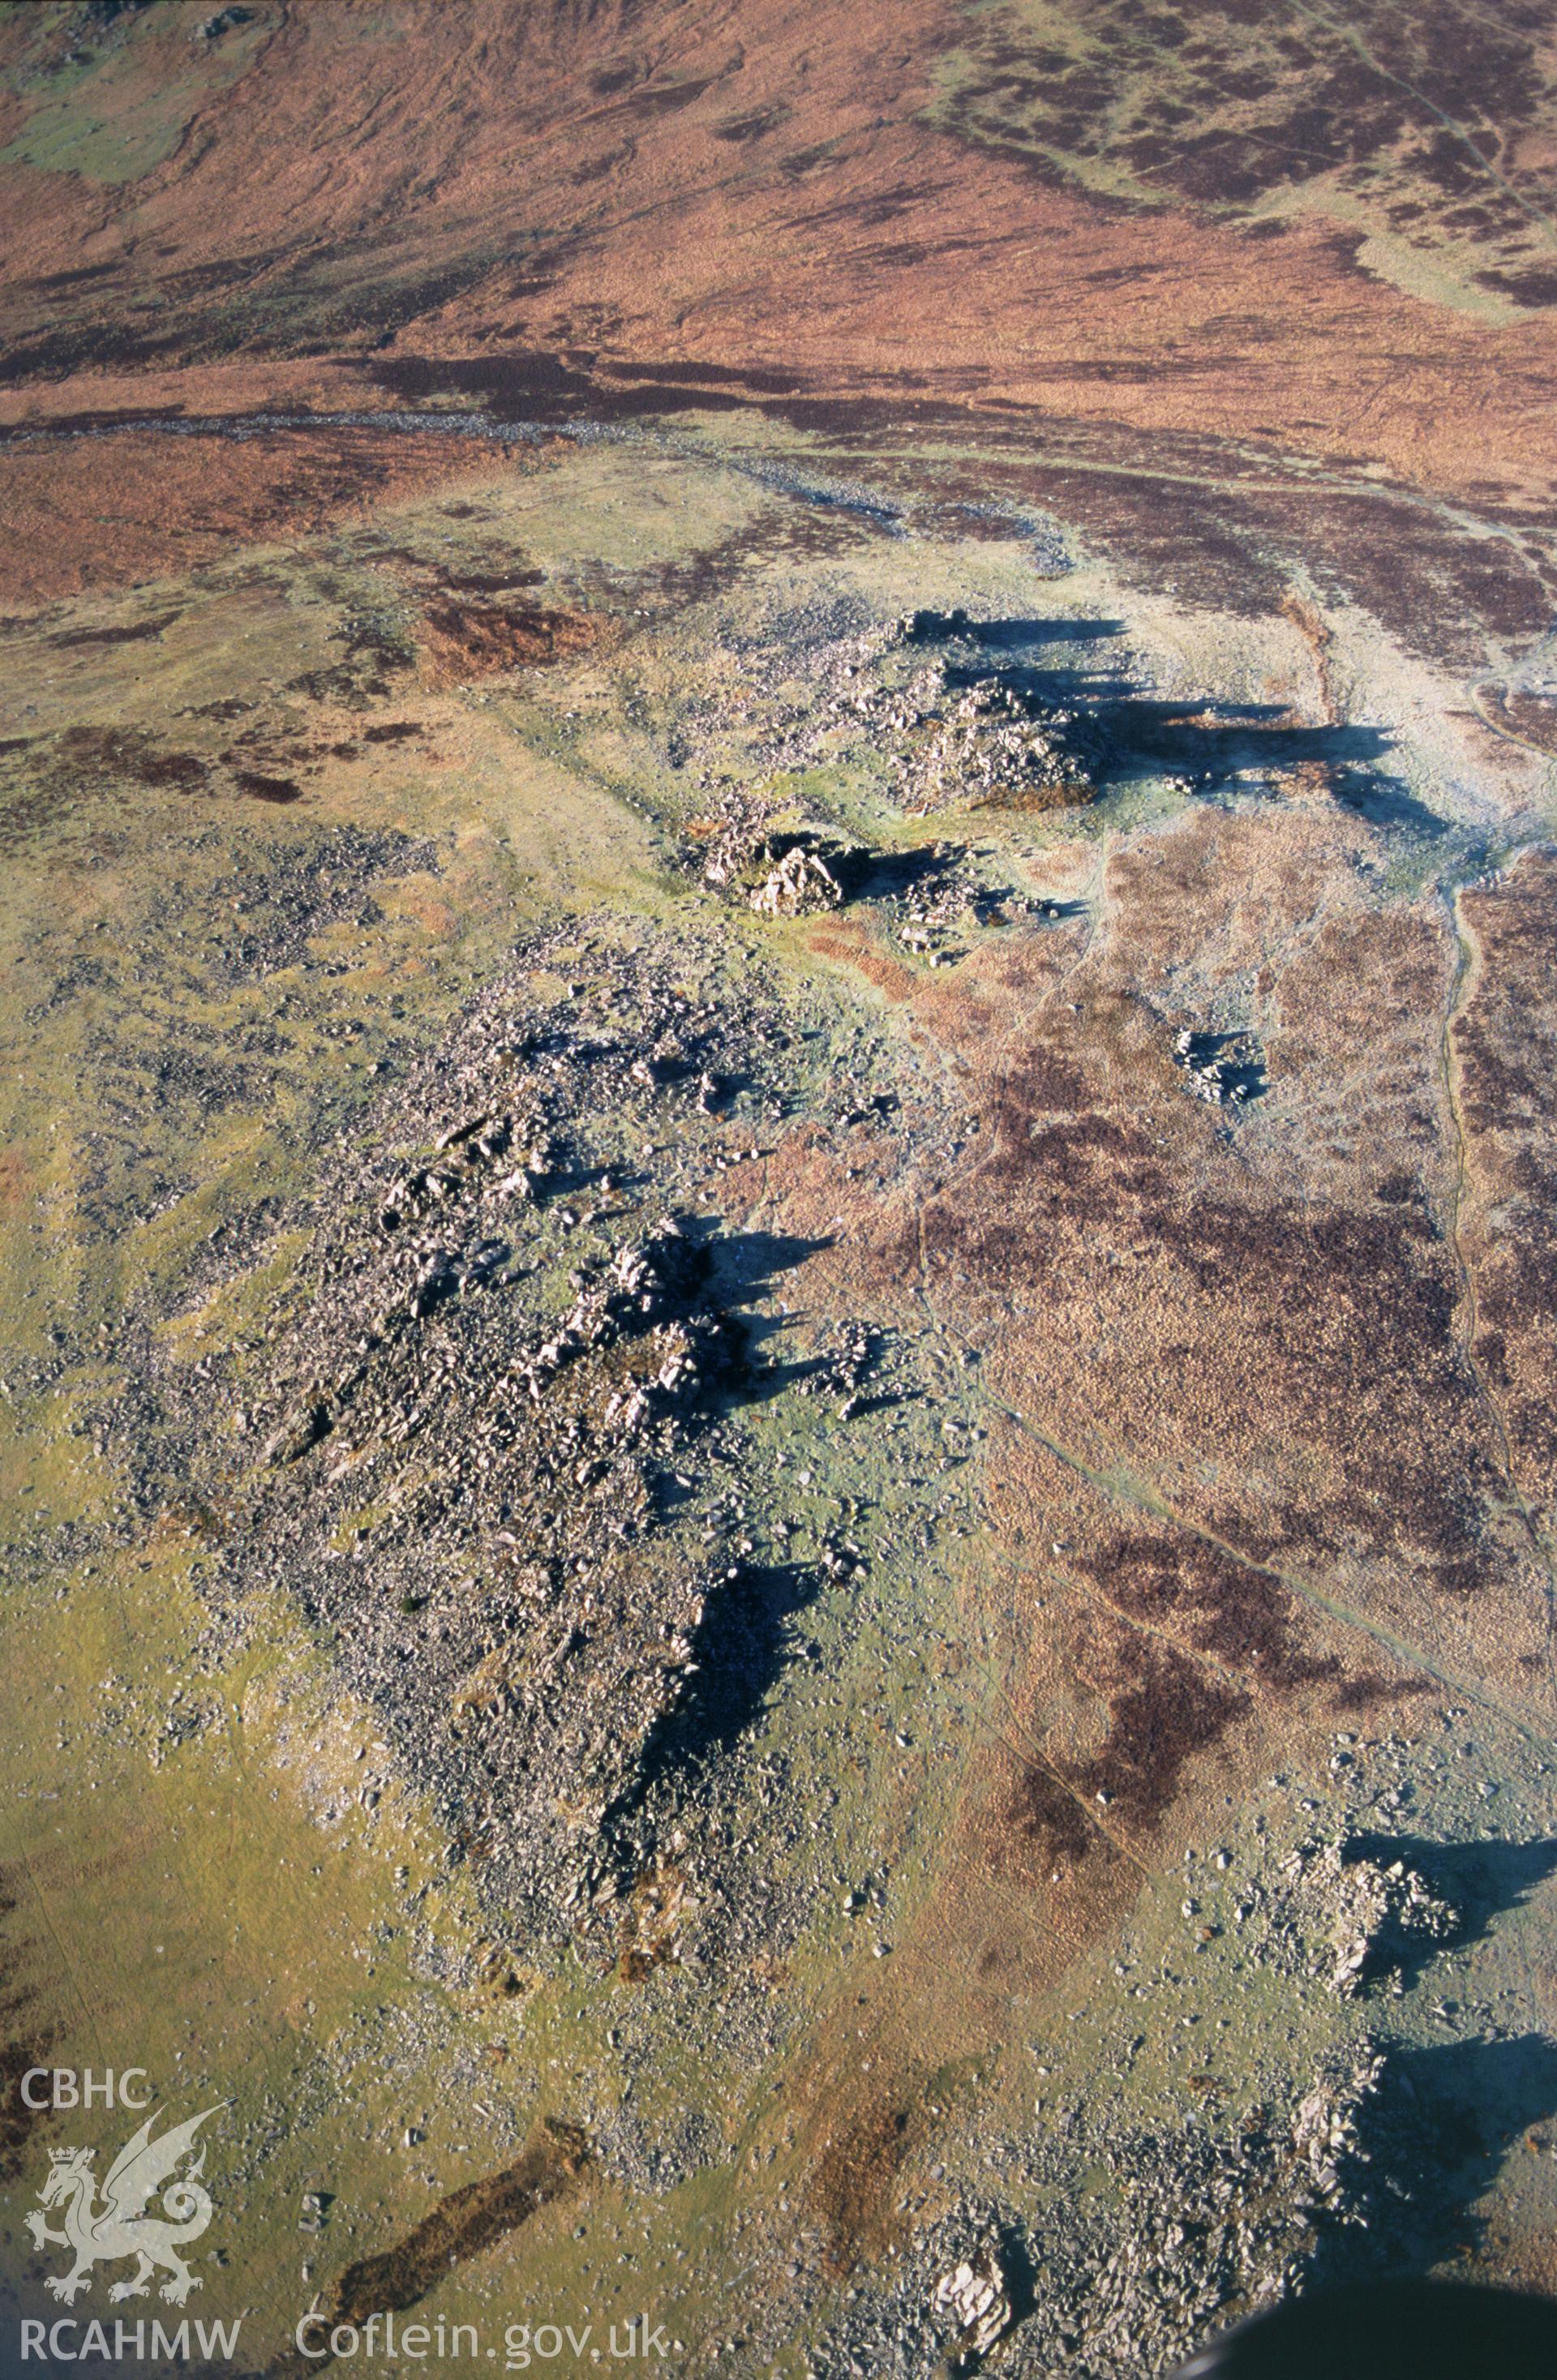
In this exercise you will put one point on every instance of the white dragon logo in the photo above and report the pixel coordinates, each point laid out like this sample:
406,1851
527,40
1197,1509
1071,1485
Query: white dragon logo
120,2226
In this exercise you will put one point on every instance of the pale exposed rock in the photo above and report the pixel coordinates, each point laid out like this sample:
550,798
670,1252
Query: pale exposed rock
975,2295
800,880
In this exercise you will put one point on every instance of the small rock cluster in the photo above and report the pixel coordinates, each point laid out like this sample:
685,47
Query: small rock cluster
843,1371
1221,1067
803,875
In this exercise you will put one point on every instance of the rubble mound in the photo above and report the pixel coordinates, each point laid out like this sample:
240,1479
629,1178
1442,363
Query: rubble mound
960,735
786,872
1214,2236
1223,1068
1204,2225
1369,1918
467,1488
532,1686
989,747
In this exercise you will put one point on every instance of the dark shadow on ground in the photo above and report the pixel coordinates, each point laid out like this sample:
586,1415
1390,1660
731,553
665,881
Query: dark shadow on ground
888,875
1479,1880
740,1268
1123,733
1384,802
1435,2135
1390,2329
1008,635
741,1649
1203,740
744,1265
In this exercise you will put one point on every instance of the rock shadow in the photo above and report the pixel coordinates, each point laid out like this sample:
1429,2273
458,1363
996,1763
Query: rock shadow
744,1643
1010,635
744,1265
1479,1880
1435,2136
1128,734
